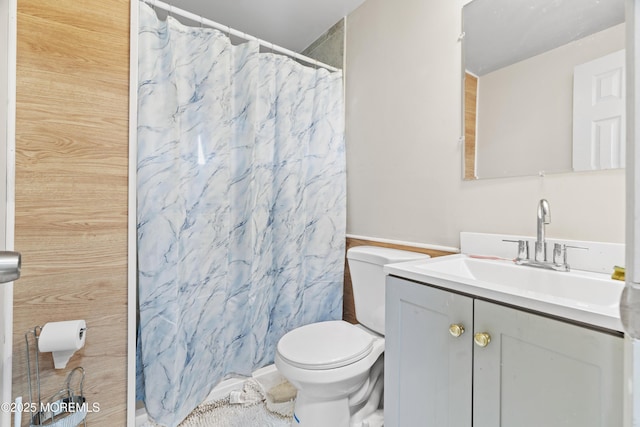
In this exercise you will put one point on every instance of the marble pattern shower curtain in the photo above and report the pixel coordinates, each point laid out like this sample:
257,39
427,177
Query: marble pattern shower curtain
241,207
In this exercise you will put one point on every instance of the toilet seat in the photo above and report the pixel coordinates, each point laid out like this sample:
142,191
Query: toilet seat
325,345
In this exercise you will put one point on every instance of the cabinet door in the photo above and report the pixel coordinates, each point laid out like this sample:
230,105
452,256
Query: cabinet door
427,370
542,372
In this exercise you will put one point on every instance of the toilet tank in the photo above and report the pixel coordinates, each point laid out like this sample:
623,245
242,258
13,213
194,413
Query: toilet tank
368,281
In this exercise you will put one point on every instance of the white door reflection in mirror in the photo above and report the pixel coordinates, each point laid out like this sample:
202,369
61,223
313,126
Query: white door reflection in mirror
599,113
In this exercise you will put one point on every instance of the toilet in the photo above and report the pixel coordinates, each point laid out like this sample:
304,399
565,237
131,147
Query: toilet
337,367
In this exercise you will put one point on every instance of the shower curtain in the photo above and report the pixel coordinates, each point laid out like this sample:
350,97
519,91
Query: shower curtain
241,207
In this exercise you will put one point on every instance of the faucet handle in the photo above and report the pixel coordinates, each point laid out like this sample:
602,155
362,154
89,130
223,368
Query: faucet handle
560,253
523,248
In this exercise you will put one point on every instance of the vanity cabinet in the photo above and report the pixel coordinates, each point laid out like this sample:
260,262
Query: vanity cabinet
523,370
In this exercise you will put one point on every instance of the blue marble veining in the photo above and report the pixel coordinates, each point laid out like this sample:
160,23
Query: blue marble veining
241,207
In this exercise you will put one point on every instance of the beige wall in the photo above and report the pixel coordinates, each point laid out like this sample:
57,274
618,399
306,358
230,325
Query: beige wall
404,160
71,190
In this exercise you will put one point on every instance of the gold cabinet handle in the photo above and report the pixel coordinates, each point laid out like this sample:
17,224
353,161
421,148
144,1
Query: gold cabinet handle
456,330
482,339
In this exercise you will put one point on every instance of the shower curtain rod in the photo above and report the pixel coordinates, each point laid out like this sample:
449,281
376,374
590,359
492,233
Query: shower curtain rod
226,29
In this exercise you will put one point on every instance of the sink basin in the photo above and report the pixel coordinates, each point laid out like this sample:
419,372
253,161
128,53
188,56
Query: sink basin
586,297
583,287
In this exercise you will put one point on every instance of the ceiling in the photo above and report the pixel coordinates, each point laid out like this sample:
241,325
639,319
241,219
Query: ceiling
501,32
292,24
497,32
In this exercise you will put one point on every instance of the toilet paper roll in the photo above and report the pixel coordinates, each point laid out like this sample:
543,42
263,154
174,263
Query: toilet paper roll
62,339
62,336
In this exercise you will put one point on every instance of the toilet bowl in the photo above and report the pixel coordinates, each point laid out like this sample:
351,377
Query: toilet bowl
329,363
337,367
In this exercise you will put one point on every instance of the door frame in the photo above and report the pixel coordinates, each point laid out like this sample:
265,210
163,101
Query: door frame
632,226
132,217
8,41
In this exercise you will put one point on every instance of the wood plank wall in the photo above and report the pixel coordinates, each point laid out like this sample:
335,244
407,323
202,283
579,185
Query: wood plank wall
71,190
349,311
470,117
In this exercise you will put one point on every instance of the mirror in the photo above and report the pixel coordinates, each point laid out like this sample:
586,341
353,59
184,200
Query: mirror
523,109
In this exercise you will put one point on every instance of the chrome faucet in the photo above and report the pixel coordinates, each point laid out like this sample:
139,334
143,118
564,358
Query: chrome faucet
539,260
544,217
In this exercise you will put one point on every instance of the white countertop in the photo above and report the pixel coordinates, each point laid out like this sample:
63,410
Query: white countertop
580,296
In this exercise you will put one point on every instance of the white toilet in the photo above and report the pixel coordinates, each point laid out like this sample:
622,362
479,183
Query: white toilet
337,367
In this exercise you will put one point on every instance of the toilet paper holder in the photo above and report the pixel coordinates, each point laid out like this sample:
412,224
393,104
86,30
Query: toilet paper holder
67,407
62,340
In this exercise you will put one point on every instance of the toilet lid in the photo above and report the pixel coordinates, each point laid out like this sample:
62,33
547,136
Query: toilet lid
325,345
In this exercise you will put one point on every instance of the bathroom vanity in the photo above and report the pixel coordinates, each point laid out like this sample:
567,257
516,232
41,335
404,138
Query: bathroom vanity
456,360
464,348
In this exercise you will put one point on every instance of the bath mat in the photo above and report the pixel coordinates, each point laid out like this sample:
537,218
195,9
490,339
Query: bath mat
246,408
